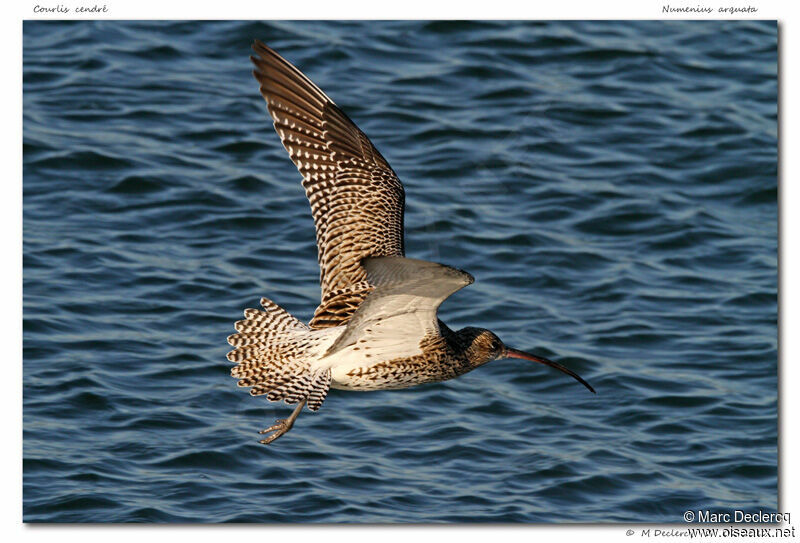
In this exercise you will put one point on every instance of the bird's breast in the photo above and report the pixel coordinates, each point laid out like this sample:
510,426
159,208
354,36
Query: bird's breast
393,373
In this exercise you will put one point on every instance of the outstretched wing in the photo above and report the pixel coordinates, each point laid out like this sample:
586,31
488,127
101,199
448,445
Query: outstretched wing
356,199
402,307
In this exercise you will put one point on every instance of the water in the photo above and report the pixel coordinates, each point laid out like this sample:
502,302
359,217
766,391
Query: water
611,186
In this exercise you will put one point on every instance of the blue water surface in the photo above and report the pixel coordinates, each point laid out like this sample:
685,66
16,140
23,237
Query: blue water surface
611,185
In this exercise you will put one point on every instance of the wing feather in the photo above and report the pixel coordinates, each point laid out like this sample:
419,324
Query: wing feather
356,198
403,306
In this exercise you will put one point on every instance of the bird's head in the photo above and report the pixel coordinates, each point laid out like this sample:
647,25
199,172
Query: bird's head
482,346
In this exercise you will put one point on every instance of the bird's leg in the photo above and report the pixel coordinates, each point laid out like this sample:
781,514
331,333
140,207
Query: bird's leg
282,426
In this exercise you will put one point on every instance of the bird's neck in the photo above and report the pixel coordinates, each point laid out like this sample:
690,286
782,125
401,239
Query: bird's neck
462,344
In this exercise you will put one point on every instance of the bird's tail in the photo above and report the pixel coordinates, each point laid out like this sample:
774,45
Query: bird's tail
273,351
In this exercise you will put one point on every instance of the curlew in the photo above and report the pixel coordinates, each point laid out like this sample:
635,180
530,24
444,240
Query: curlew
376,326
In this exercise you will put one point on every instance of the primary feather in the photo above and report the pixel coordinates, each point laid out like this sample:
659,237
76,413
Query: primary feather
356,198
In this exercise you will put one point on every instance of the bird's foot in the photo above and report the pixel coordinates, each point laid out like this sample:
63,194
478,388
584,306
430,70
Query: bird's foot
280,427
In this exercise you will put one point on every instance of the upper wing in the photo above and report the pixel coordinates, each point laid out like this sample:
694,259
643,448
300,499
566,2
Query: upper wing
356,199
401,311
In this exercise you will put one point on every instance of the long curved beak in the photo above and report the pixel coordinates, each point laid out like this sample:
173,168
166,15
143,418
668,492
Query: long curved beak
513,353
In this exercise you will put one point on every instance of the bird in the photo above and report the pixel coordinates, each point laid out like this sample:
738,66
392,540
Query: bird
376,326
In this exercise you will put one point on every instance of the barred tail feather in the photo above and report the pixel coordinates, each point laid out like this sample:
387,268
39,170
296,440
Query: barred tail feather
313,387
264,324
273,351
319,389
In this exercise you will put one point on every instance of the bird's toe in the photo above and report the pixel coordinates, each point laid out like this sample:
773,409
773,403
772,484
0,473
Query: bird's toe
280,424
278,429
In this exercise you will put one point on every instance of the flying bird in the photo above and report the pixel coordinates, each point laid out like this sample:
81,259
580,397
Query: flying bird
376,326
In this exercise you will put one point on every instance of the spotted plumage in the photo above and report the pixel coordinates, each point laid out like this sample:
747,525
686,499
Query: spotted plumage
356,198
272,350
376,326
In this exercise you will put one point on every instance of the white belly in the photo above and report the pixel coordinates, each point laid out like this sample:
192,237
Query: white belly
353,367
